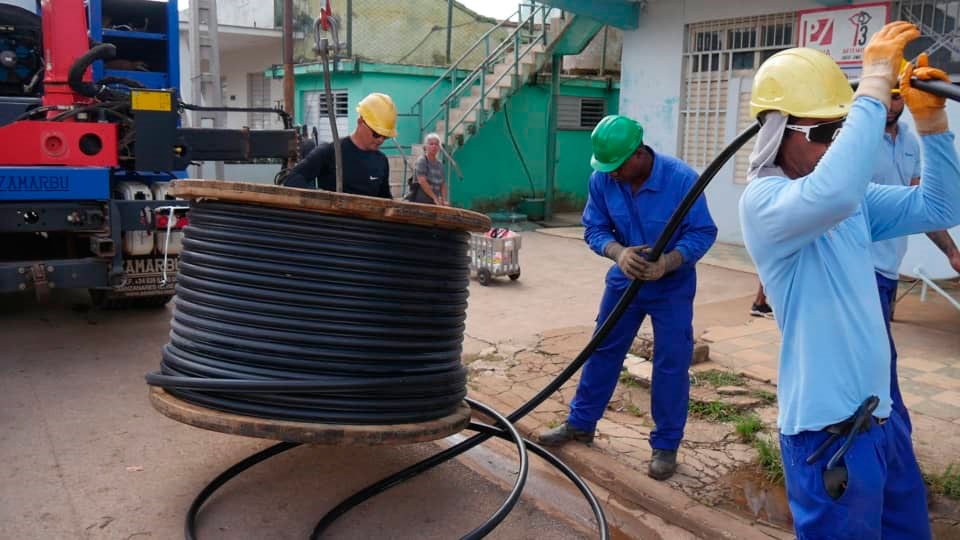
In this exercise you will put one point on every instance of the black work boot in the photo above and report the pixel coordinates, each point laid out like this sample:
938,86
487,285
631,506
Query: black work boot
563,433
663,464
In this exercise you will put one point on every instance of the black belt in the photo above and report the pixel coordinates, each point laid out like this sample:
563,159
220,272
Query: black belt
835,474
842,428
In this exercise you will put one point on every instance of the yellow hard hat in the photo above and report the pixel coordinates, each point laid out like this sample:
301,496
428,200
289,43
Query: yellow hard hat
801,82
903,67
380,113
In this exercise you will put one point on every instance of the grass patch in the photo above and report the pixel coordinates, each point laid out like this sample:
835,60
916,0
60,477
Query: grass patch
770,462
747,427
553,423
716,377
627,380
947,483
767,397
634,410
715,411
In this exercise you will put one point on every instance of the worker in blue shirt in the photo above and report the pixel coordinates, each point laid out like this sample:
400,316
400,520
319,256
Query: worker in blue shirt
809,216
632,195
898,164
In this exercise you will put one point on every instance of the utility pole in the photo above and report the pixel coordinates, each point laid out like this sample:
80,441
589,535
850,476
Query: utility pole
288,56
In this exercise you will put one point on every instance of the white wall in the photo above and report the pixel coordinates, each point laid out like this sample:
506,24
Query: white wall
234,66
650,84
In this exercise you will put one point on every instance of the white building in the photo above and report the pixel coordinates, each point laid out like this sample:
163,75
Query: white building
688,67
250,43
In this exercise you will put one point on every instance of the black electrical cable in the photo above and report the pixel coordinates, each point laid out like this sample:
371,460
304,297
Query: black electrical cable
304,316
601,333
485,431
506,119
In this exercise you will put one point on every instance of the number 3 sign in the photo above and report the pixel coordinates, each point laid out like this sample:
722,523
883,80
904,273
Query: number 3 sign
842,32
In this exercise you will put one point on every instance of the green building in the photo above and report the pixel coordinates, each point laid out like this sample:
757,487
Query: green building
502,146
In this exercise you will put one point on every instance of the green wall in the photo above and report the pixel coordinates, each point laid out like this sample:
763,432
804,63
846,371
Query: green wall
494,177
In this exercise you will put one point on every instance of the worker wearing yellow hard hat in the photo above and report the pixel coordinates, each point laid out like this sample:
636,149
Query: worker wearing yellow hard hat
365,168
632,194
809,215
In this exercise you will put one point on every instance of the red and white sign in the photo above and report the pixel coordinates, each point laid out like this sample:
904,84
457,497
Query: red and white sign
842,32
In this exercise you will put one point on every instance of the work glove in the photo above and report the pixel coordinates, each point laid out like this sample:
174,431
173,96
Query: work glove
929,111
668,262
882,58
629,259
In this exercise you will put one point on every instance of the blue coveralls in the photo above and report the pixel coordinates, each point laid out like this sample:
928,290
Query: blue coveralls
614,213
810,238
897,164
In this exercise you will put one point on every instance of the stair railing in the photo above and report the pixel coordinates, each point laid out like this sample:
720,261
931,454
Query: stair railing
521,41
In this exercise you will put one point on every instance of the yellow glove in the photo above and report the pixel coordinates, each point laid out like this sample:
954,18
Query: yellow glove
929,111
882,58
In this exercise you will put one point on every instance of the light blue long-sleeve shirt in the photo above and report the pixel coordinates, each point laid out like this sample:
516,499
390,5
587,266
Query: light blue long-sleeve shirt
896,164
615,213
810,239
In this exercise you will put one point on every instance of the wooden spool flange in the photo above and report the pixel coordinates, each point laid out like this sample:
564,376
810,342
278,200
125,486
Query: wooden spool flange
329,202
307,432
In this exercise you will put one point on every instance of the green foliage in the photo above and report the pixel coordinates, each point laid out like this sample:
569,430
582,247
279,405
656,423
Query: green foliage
770,461
768,397
634,410
747,427
627,380
715,411
716,377
947,483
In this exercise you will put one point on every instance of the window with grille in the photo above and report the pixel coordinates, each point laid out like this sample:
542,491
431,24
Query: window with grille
580,113
721,57
939,23
315,113
258,95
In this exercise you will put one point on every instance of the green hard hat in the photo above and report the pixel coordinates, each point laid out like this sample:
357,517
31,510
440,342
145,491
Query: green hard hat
614,140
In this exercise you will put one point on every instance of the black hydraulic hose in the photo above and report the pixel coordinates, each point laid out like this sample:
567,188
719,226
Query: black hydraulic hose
601,333
284,115
103,51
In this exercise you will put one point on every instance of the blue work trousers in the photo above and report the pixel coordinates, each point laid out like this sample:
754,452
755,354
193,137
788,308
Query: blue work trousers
885,497
672,351
888,295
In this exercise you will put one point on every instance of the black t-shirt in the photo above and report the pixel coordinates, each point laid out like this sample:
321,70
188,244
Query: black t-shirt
364,172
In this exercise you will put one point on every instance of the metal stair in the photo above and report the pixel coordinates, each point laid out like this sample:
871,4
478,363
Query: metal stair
477,95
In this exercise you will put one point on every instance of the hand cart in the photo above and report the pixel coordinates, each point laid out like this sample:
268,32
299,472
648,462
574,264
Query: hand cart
491,257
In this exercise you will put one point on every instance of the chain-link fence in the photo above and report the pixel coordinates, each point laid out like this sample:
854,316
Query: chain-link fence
413,32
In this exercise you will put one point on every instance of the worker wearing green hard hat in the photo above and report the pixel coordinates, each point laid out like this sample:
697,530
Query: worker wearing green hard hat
614,140
631,196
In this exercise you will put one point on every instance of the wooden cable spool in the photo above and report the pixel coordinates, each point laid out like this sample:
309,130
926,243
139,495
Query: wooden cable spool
337,204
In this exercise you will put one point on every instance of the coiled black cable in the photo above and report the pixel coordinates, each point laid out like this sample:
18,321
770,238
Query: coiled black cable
304,316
